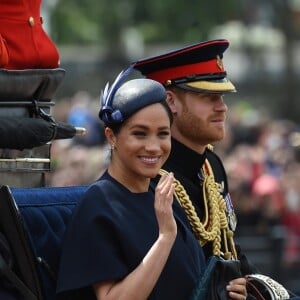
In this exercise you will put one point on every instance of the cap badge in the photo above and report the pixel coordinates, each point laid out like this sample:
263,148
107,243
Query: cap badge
168,82
220,63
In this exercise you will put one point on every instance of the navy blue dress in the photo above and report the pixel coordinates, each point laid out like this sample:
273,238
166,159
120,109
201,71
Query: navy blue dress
111,231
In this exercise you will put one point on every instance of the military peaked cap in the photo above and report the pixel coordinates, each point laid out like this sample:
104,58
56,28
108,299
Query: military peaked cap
198,67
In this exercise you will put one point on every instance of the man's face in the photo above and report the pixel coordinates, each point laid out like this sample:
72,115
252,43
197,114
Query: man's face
199,118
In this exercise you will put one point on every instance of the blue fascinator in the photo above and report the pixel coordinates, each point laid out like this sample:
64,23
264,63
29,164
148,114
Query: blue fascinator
121,100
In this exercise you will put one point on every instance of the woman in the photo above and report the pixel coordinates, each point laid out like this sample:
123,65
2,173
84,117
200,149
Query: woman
127,238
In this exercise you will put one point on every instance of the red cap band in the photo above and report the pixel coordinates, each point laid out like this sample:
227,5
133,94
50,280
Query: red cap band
206,67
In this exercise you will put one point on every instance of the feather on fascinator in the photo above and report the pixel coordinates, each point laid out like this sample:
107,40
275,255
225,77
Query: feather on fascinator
107,114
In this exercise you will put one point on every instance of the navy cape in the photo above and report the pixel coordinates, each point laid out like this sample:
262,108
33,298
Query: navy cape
111,231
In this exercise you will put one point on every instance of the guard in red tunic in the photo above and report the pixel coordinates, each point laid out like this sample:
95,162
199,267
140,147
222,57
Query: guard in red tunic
23,42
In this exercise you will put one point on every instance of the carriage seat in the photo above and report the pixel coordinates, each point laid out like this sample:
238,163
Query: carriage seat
33,220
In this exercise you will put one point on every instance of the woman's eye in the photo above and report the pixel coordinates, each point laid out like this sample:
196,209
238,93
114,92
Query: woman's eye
139,133
164,133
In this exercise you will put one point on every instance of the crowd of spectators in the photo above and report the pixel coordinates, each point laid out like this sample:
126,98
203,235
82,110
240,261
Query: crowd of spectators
261,156
262,159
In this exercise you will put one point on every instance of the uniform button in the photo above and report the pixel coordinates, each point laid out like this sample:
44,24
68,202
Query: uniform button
31,21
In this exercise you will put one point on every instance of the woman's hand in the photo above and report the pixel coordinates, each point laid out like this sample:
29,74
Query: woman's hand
237,289
164,194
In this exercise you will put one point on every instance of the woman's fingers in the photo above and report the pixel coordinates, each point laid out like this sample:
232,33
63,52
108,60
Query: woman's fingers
163,204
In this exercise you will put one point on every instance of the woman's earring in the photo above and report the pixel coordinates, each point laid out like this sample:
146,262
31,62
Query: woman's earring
112,147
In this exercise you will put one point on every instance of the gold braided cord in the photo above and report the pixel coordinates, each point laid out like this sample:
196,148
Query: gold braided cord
212,194
217,230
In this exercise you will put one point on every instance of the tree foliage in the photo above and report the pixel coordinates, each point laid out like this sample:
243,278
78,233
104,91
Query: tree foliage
104,21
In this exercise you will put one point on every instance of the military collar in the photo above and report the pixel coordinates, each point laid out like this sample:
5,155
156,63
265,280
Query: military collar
187,161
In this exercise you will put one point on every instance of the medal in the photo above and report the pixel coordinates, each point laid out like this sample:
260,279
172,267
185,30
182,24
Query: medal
231,217
201,177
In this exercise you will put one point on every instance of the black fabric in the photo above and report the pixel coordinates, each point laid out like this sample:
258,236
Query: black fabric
225,271
22,85
5,250
12,227
7,289
111,231
213,281
26,133
12,284
23,94
9,293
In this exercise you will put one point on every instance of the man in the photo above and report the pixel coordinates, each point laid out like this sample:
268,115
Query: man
195,80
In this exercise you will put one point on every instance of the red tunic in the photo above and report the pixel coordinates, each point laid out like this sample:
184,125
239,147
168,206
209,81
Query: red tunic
23,42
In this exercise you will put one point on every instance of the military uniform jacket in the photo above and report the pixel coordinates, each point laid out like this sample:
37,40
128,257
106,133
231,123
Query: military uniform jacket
186,165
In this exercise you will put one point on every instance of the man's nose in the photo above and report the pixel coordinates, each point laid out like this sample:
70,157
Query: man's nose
221,105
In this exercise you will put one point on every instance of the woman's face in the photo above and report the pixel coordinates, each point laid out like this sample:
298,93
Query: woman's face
143,144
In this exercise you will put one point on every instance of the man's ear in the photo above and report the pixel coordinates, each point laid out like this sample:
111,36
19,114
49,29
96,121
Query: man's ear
171,100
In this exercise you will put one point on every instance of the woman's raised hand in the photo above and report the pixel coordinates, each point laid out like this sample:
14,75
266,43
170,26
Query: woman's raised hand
164,195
